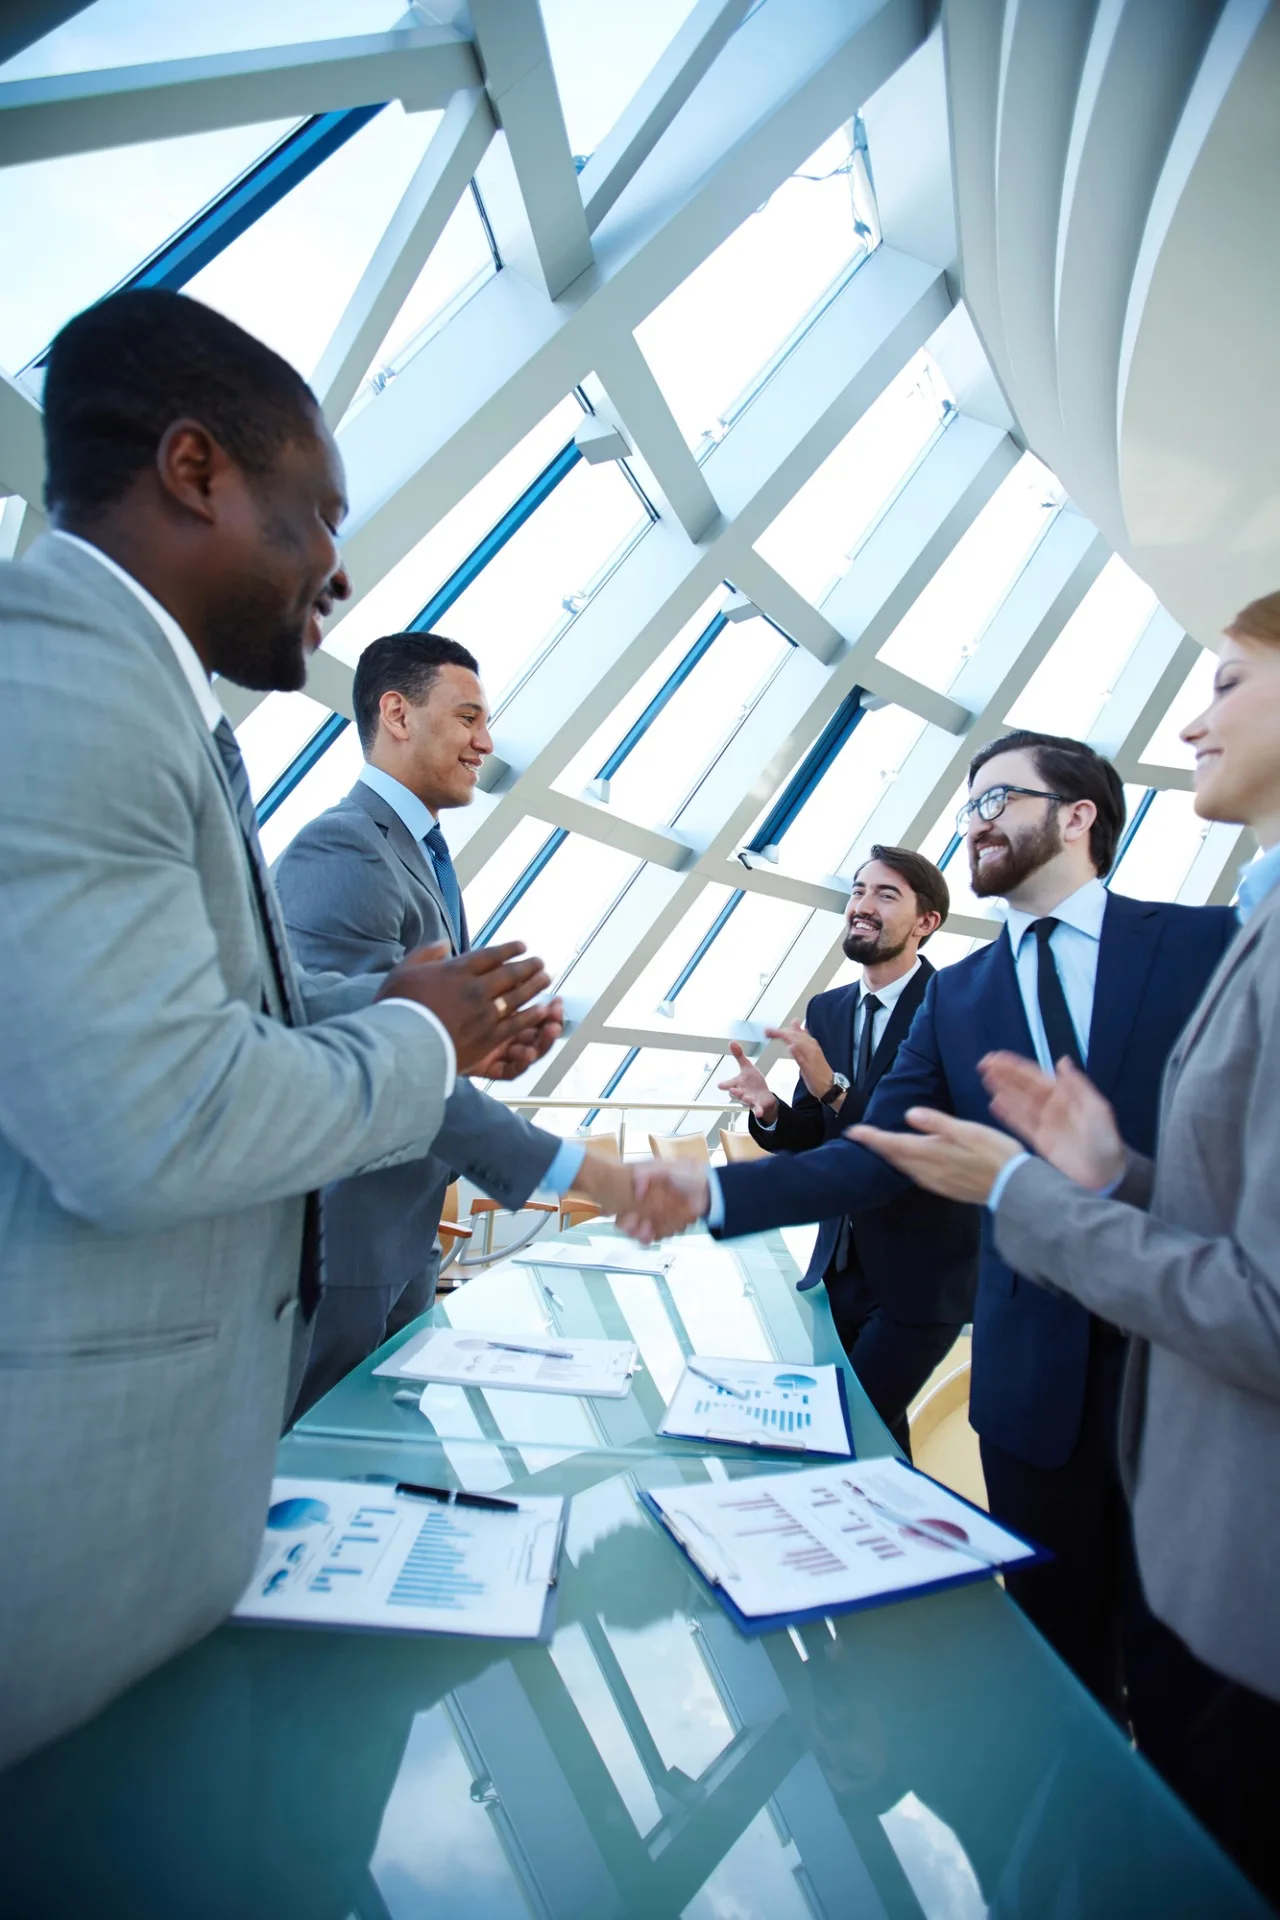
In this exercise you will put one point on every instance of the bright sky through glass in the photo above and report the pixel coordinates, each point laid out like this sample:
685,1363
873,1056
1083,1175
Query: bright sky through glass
601,51
1069,688
1165,749
125,33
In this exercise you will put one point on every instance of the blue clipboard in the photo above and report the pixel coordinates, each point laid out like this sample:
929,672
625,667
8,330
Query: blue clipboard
753,1448
753,1625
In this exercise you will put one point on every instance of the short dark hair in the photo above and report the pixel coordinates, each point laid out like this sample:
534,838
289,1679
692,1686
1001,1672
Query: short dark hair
1075,771
924,879
407,663
122,372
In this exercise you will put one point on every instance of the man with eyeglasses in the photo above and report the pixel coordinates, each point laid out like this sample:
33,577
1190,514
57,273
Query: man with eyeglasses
1109,981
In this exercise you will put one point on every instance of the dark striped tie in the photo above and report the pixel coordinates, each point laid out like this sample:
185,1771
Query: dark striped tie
311,1267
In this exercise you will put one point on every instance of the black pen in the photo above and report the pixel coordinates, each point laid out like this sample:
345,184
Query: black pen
453,1497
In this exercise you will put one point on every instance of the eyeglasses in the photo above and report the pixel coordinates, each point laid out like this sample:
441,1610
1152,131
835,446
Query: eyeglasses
991,804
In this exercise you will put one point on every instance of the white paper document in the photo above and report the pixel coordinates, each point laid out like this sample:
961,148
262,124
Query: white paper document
535,1363
336,1553
793,1543
597,1256
760,1403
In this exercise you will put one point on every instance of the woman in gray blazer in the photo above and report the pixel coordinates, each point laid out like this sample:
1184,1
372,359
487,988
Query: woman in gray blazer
1184,1253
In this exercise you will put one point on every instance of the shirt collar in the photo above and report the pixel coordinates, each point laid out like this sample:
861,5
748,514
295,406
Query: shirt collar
889,996
417,816
1085,910
1256,882
183,652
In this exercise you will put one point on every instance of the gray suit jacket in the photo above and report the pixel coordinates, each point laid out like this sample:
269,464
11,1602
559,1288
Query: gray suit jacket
358,893
1196,1278
158,1131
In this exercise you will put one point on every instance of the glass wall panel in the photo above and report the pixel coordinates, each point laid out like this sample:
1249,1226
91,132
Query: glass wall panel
591,1071
529,593
499,874
831,822
275,733
1165,749
334,774
84,222
638,1007
1071,685
729,978
288,278
709,340
814,538
944,624
601,55
124,33
400,595
567,901
1162,850
662,1073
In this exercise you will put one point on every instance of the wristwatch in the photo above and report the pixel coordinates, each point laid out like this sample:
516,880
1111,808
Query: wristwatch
838,1086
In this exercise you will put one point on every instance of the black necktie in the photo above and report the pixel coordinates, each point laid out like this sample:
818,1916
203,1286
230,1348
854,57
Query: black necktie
438,847
1058,1030
866,1046
311,1268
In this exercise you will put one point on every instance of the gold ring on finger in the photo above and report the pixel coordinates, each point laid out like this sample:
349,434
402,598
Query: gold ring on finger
500,1007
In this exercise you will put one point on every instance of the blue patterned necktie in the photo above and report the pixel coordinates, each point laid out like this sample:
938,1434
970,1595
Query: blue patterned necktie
311,1266
437,846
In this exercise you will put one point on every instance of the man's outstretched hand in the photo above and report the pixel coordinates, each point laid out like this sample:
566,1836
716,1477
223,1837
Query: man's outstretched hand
669,1196
481,998
1061,1116
750,1087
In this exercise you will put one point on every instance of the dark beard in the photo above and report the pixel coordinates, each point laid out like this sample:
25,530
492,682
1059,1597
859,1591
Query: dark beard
251,638
1018,861
858,947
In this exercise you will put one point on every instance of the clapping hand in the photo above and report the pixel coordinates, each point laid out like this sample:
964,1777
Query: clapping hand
669,1196
480,998
1061,1116
815,1068
750,1087
526,1048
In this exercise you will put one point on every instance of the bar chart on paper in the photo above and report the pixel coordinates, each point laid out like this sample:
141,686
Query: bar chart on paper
760,1403
334,1554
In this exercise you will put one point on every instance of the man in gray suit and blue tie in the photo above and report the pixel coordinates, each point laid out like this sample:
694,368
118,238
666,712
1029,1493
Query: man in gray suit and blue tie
361,886
173,1092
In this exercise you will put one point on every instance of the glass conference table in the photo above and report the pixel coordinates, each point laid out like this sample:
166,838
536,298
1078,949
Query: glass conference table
930,1758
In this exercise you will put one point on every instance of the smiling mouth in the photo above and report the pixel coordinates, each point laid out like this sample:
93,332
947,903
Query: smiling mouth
987,850
865,926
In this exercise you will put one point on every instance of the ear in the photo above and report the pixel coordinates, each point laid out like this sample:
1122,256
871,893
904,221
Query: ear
926,924
1080,820
392,709
190,466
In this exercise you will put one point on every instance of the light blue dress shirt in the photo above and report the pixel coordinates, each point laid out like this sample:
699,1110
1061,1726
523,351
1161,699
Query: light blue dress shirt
419,819
1256,882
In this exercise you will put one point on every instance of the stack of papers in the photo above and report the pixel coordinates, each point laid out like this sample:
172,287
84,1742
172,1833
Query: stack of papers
339,1554
761,1403
535,1363
792,1546
597,1256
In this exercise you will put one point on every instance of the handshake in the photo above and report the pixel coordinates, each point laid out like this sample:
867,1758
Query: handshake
652,1200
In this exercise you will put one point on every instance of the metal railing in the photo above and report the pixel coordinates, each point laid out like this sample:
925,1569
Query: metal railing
595,1104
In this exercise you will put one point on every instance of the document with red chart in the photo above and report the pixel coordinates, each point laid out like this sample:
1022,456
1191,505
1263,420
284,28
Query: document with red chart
794,1545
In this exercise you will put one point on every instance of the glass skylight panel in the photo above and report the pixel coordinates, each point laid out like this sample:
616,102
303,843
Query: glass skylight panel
1162,850
333,776
1071,685
567,901
592,1070
528,594
84,222
126,33
275,733
832,821
709,340
392,602
288,278
814,538
601,54
666,1073
1165,749
499,874
737,967
640,1004
944,624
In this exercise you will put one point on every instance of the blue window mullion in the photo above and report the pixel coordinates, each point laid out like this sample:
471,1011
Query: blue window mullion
1130,833
809,775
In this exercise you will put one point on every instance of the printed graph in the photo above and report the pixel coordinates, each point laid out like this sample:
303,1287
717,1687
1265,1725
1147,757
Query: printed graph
432,1574
783,1407
353,1553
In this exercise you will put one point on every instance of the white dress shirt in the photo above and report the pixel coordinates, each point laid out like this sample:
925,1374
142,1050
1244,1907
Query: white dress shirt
197,679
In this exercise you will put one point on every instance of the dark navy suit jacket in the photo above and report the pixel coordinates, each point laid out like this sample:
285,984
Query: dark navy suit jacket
1030,1347
919,1253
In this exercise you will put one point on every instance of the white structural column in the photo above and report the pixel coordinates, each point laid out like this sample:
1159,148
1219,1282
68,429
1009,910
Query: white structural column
512,44
21,443
120,106
438,183
641,408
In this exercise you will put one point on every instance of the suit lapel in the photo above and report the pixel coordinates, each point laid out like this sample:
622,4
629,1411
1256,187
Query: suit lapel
898,1025
1130,936
997,1010
1240,948
410,852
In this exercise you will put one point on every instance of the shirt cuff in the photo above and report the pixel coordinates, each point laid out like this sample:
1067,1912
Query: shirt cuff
1004,1176
450,1052
715,1200
767,1126
564,1169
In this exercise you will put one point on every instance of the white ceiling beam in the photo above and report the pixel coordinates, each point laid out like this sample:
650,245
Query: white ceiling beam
512,46
423,67
21,443
425,208
641,408
656,103
578,815
1145,689
1145,773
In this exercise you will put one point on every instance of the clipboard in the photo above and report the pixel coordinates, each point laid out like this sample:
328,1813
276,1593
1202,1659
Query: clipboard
753,1625
769,1439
